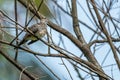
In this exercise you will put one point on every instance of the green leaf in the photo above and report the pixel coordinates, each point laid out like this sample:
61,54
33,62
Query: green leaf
44,8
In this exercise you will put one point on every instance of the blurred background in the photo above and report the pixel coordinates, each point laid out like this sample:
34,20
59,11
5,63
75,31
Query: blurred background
38,66
7,70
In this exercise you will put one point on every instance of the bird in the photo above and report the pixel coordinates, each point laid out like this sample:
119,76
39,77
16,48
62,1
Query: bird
39,30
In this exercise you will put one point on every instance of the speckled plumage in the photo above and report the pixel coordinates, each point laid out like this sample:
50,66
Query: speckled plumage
38,30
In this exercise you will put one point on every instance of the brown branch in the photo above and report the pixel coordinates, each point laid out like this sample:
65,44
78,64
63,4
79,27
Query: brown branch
103,28
34,53
47,67
16,20
83,23
93,17
82,62
61,30
12,61
88,54
103,41
66,67
75,22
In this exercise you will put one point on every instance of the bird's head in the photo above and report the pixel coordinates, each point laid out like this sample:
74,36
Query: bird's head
44,20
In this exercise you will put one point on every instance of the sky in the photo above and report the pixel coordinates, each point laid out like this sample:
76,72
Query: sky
55,63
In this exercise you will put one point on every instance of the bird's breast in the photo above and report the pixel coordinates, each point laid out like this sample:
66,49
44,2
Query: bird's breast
41,33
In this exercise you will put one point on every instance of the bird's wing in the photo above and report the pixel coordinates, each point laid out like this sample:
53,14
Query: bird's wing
34,28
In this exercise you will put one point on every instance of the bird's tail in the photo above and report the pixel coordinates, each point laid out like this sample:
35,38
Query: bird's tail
22,42
31,42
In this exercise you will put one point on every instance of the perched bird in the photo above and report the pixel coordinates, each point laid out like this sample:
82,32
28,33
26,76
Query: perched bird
39,30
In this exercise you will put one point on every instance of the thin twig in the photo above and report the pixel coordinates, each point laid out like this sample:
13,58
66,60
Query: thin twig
16,20
47,67
20,78
12,61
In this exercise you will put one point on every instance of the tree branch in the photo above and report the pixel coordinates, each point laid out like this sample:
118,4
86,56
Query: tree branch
104,30
12,61
76,23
